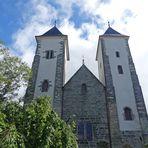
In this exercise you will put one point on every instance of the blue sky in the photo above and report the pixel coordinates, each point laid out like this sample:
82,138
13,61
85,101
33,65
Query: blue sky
9,20
16,13
83,21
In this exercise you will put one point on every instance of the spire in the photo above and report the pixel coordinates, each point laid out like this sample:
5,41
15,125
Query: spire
53,32
110,31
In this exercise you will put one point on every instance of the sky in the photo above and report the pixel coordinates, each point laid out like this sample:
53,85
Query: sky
83,21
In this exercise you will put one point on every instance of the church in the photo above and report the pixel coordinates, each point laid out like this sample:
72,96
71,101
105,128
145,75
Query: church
109,112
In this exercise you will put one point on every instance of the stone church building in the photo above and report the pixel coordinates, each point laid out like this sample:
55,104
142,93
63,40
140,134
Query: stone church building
110,111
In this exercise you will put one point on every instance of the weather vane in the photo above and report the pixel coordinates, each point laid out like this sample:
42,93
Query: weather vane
55,23
83,61
108,24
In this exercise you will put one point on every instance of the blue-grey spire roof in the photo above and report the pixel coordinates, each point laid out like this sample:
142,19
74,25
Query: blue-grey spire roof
53,32
111,31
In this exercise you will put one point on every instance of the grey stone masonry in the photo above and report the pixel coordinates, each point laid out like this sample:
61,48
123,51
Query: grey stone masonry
32,82
115,137
88,105
133,138
59,79
139,97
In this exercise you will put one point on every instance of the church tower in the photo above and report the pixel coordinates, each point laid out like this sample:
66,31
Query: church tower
48,69
127,116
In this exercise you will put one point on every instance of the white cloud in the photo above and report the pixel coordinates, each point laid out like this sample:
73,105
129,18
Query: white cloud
80,47
35,24
126,16
132,24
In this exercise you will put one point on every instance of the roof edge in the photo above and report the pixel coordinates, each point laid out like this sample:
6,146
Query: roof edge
78,71
113,35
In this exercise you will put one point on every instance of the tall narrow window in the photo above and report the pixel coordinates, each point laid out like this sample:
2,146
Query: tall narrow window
117,54
51,54
83,88
80,130
45,86
47,54
120,70
89,131
128,113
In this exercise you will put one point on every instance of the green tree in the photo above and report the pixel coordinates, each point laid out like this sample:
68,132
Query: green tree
13,74
35,125
11,117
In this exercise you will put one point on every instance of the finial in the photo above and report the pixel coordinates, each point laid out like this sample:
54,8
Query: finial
83,61
108,24
55,23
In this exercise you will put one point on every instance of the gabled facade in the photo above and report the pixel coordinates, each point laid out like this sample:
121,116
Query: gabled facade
84,102
109,112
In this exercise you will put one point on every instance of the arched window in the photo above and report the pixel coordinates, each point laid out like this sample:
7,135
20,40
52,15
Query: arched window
83,88
120,70
45,86
128,113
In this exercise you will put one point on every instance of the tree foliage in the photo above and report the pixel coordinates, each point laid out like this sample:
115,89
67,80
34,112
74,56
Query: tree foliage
13,74
35,125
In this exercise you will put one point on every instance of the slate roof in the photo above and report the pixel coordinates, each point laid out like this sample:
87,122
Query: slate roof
85,70
54,31
111,31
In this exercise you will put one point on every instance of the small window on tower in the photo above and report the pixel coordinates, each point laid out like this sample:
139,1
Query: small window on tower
49,54
120,70
117,54
45,86
128,113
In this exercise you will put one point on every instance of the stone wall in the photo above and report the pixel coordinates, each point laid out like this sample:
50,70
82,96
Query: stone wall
32,82
115,138
132,138
86,107
139,97
59,79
